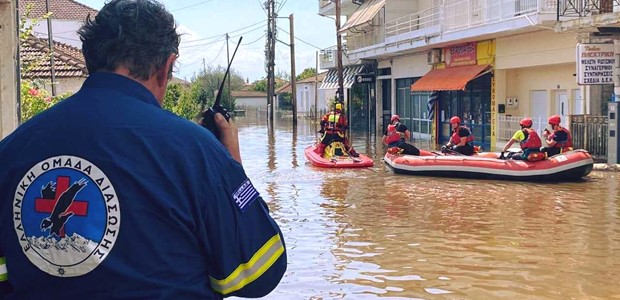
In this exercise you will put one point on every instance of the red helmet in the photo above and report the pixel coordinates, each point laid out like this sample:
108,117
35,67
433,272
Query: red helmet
455,119
526,122
554,120
395,118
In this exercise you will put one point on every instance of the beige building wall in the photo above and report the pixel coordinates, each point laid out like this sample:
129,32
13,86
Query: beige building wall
537,61
8,63
520,82
410,66
539,48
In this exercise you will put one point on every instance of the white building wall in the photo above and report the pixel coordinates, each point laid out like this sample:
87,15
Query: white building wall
65,85
251,102
306,98
64,31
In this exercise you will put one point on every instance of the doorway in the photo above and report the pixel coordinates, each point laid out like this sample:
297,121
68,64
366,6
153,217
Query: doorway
562,108
540,107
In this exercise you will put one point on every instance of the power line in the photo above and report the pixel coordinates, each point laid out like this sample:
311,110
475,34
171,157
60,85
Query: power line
318,48
281,5
201,45
223,35
252,42
218,54
191,5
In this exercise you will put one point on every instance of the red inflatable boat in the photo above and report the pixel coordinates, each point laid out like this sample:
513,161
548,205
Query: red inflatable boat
335,156
568,166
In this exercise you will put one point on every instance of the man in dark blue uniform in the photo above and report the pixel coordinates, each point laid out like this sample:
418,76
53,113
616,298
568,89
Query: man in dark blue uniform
106,195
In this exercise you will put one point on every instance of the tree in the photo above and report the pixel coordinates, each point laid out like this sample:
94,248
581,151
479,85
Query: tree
307,73
174,92
205,87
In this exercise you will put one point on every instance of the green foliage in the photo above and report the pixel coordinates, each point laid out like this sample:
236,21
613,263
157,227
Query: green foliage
189,101
261,85
173,94
285,101
307,73
35,100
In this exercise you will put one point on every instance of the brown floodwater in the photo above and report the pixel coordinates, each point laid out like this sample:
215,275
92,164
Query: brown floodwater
368,233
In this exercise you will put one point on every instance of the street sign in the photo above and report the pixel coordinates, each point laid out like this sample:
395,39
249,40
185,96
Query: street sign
595,63
365,78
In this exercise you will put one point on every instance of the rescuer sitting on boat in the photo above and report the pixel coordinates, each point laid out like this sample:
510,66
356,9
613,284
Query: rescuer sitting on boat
462,139
396,136
530,143
559,141
333,127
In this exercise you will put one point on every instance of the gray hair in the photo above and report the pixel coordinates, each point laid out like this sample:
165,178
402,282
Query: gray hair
137,34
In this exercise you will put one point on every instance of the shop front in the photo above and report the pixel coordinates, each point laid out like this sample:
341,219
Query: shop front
460,85
359,95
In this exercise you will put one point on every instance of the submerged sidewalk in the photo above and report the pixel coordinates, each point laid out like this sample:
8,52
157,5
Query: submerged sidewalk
606,167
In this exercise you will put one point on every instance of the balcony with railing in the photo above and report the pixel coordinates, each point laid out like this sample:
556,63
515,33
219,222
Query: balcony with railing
586,8
327,58
450,17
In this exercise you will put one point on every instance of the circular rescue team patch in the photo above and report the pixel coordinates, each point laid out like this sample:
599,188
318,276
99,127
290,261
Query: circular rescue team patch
66,215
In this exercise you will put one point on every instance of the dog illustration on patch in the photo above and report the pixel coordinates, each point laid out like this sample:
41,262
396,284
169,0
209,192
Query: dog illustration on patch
60,214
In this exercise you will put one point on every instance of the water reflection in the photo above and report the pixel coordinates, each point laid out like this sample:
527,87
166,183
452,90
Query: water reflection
368,233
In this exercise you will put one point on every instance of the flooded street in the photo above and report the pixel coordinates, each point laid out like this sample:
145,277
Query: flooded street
368,233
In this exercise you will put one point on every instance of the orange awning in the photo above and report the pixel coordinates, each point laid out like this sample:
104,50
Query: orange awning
449,79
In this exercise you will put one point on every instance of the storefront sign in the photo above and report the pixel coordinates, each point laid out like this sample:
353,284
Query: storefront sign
365,78
595,63
461,55
493,114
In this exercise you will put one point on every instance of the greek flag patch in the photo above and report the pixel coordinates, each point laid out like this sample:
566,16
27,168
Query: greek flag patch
245,195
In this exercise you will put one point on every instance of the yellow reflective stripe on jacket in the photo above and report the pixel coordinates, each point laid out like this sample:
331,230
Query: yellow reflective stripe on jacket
254,268
3,272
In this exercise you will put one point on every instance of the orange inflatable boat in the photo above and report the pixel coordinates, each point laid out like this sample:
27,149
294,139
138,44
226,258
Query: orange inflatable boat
568,166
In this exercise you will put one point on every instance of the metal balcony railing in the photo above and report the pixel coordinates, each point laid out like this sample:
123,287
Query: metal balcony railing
585,8
451,16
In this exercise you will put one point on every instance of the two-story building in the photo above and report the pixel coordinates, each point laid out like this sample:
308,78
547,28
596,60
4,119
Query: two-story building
482,60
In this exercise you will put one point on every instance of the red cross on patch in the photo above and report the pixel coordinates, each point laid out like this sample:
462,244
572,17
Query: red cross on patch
78,207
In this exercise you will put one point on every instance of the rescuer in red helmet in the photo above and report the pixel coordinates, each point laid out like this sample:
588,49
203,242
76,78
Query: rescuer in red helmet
396,136
462,139
558,141
333,127
529,141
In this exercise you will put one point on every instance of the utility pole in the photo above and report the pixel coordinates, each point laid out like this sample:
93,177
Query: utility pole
316,87
270,53
50,38
293,79
229,91
339,55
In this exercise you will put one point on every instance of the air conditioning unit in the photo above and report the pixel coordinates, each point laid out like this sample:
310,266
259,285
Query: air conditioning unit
433,57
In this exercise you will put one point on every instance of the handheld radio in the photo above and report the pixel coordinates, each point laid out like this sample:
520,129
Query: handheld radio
208,116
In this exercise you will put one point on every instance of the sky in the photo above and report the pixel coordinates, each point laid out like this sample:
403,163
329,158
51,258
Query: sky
204,23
